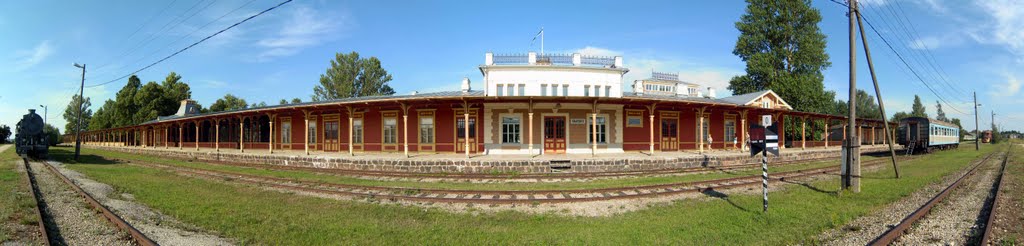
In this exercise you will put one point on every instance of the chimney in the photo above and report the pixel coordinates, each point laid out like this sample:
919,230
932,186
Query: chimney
489,59
465,85
711,92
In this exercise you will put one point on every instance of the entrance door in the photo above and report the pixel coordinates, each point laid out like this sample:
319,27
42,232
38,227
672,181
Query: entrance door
554,134
460,134
331,135
669,134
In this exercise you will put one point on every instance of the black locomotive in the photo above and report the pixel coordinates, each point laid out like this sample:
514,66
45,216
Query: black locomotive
30,140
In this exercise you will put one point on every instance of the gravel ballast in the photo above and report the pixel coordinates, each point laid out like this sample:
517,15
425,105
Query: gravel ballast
163,229
76,222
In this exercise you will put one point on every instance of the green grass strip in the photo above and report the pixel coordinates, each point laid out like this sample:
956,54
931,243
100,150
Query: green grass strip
256,216
337,179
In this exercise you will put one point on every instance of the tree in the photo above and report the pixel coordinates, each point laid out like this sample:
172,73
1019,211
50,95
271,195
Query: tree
103,117
151,101
283,102
5,133
784,51
126,106
351,76
296,100
174,90
918,109
939,114
52,134
71,114
229,102
898,116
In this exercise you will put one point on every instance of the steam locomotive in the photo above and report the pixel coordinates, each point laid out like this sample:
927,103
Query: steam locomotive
30,140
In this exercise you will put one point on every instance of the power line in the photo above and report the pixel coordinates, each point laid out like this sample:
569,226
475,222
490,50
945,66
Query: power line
152,36
905,63
190,34
923,52
193,44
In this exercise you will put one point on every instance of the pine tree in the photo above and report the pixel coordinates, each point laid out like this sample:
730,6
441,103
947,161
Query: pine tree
918,109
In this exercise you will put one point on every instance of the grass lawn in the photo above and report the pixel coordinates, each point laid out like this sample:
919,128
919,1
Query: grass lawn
16,202
327,178
255,216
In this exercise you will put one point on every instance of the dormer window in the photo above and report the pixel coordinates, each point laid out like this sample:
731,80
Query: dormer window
766,104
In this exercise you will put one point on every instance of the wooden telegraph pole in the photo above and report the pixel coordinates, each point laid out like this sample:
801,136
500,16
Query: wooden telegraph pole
878,94
851,166
976,133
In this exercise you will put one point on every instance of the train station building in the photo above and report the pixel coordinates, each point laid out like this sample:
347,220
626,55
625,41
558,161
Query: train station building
531,105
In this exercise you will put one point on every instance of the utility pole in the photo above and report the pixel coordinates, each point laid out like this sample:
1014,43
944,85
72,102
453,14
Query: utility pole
851,174
81,101
878,94
977,145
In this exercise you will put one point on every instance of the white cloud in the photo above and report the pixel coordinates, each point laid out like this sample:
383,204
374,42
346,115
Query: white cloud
26,59
595,51
1006,24
305,28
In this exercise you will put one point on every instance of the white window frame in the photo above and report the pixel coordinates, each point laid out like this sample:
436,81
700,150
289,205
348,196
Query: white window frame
312,131
426,130
357,131
510,89
586,90
522,89
543,89
286,131
511,132
602,129
500,89
565,90
390,132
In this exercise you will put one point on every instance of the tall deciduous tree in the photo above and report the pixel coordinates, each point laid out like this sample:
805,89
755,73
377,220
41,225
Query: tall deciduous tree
103,117
174,90
784,51
71,114
898,116
126,106
229,102
918,110
351,76
939,114
5,133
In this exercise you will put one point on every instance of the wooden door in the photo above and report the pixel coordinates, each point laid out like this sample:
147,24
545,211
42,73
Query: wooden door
331,135
460,134
554,134
669,134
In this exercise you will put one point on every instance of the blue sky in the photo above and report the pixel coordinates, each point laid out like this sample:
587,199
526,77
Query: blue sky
957,46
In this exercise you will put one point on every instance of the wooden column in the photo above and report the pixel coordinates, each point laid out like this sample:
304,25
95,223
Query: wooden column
827,130
700,129
743,131
241,134
465,116
272,119
306,119
217,133
530,130
165,137
180,135
593,128
350,140
803,132
650,122
405,128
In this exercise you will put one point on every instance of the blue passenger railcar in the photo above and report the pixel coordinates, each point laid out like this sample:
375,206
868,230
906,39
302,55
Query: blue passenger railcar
920,134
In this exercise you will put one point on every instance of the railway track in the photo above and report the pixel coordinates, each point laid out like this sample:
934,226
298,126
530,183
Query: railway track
496,196
986,238
916,218
54,211
549,177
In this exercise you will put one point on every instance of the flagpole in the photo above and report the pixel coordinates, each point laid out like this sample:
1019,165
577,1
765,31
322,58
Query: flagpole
541,40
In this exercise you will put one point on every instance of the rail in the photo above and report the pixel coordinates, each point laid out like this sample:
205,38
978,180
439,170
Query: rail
31,182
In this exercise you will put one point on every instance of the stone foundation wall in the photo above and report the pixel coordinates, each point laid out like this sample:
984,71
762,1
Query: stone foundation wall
484,166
